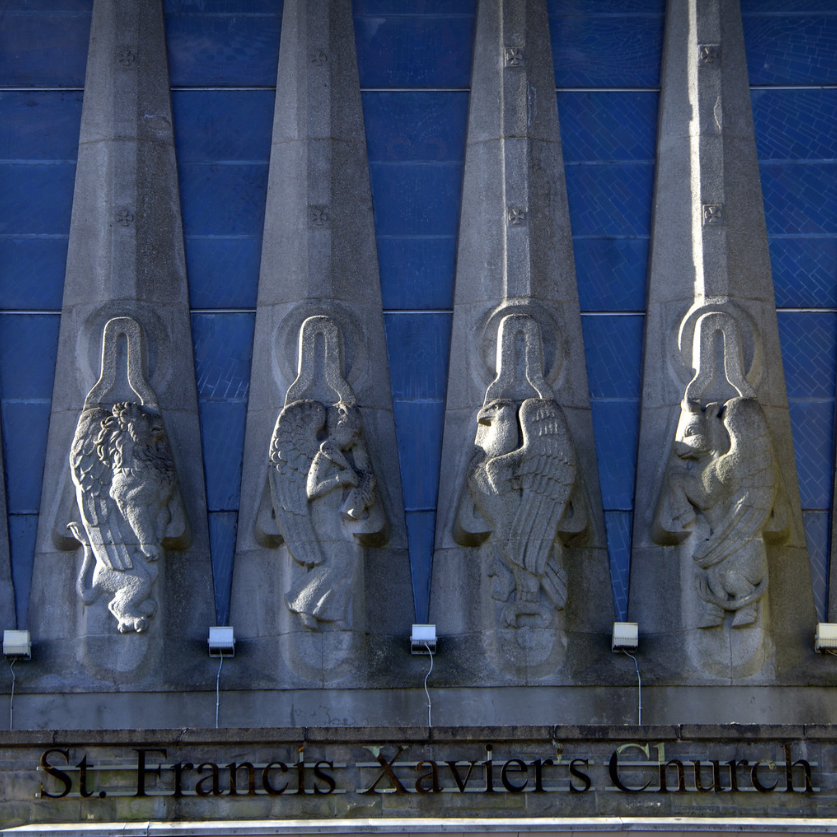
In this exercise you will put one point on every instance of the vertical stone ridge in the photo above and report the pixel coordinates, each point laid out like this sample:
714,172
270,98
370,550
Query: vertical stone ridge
324,597
125,337
7,591
718,598
517,343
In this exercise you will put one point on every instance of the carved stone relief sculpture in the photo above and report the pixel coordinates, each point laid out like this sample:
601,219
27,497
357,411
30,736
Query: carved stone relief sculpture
523,499
128,501
320,478
520,587
720,578
122,614
324,504
722,493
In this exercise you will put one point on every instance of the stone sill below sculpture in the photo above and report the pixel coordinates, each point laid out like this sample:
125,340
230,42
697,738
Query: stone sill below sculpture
402,707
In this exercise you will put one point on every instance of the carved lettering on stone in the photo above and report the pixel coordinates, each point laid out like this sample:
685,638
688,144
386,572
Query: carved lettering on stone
518,498
722,493
128,501
323,492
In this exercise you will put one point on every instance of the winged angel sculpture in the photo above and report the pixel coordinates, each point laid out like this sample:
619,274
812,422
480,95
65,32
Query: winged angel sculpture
722,489
520,482
322,487
126,488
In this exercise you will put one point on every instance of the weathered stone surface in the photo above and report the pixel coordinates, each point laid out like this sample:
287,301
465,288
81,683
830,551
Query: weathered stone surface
125,278
515,779
321,583
720,579
521,587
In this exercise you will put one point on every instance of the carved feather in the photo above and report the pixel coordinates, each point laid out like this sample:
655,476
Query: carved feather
541,472
104,524
292,450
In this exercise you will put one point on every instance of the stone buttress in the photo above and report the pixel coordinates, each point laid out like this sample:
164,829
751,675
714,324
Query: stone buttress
321,584
521,589
122,582
720,578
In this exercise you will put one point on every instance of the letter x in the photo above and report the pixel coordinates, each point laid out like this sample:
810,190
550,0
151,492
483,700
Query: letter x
388,771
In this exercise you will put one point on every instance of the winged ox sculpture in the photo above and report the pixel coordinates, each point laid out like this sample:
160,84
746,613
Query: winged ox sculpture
722,491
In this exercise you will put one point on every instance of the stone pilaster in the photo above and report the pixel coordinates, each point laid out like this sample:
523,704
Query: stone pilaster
321,586
720,579
521,589
122,585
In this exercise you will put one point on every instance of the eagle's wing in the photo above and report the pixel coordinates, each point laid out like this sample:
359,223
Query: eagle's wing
753,463
544,470
292,449
103,522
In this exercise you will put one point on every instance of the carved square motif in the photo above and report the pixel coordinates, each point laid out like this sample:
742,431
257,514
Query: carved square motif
713,214
517,215
514,56
709,54
124,217
318,216
126,55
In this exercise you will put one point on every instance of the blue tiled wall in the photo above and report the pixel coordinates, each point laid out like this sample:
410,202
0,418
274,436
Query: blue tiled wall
791,50
414,62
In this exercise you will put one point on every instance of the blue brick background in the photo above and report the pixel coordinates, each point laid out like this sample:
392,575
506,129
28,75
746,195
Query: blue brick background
414,62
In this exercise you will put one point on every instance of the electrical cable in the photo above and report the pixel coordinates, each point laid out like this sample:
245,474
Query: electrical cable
12,695
639,683
426,690
218,690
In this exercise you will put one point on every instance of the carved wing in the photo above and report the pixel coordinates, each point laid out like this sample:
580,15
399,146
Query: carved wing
751,464
543,471
104,524
292,449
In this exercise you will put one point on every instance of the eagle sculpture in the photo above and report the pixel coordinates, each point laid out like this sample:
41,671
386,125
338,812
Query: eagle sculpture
523,491
125,481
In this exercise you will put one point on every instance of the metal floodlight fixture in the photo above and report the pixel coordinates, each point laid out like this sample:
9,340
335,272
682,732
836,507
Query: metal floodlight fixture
825,638
423,639
17,645
221,642
625,636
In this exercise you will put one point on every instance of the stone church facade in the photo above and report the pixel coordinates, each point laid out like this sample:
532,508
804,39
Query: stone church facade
324,320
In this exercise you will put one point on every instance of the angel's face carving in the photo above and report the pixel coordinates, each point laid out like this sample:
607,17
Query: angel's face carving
344,425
